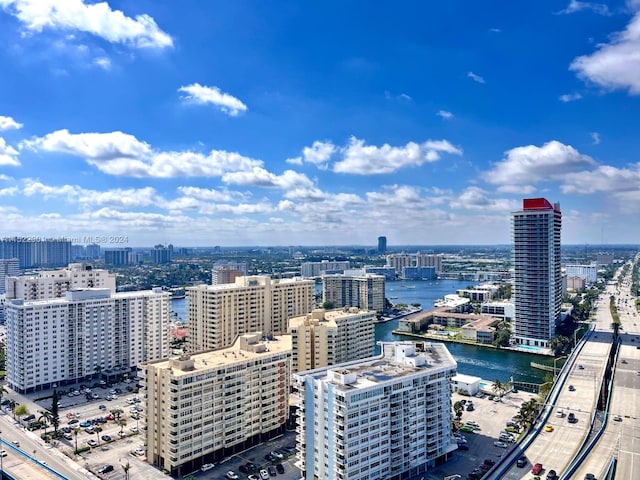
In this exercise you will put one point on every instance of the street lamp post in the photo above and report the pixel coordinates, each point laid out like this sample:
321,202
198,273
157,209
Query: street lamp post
554,365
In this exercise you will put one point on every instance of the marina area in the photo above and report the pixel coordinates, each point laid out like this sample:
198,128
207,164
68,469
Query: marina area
488,363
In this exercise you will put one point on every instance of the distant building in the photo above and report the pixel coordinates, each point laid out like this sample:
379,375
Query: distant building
8,267
32,253
316,269
604,259
363,291
56,283
382,245
209,406
161,254
576,284
116,256
388,417
62,341
227,272
388,272
408,260
588,272
217,314
537,281
329,337
419,273
480,293
92,251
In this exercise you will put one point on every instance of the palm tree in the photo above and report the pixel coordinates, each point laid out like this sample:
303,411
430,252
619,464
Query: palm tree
97,431
497,388
116,412
126,468
13,405
45,419
75,434
458,408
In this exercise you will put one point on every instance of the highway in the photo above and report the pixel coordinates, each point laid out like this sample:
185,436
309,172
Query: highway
584,372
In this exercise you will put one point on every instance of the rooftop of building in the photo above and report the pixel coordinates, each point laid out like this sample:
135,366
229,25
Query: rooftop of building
250,281
320,315
90,294
397,360
246,348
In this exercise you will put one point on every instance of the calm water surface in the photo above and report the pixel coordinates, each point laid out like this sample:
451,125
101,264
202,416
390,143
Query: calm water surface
485,363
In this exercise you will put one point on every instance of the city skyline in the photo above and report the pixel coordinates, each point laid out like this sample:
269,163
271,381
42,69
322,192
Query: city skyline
239,124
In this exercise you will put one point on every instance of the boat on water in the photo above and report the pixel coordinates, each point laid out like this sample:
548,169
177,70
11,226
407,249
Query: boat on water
411,286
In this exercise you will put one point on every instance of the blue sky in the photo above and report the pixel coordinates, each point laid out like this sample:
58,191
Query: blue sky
317,123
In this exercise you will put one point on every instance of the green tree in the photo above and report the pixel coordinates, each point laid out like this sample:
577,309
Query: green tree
75,434
498,388
21,410
55,414
45,419
328,305
126,467
13,405
458,408
117,412
122,423
97,431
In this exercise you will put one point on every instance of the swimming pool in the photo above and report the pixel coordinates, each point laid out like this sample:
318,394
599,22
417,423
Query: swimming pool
529,348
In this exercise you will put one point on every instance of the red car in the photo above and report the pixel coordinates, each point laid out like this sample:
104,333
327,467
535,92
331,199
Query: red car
537,468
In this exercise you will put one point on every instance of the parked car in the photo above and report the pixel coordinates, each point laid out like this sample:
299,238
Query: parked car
572,388
139,452
552,475
572,418
106,469
279,468
521,462
271,471
537,468
231,475
107,438
463,446
15,443
264,475
500,444
548,428
92,443
209,466
277,454
617,418
3,453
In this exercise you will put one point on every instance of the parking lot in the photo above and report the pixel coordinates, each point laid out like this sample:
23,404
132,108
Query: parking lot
491,418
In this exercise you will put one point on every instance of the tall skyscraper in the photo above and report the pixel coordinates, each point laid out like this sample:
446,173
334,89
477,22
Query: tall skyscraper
537,283
366,291
385,417
36,252
8,268
382,245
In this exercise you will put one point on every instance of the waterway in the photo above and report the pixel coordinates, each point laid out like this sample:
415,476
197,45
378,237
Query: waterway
486,363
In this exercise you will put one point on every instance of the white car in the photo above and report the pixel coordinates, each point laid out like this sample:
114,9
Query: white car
231,475
500,444
139,452
205,467
3,453
264,475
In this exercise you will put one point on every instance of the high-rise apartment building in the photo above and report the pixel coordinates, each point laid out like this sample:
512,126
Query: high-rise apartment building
386,417
56,283
400,261
382,245
36,252
117,256
206,407
8,267
63,340
588,272
330,337
227,272
217,314
365,291
316,269
537,280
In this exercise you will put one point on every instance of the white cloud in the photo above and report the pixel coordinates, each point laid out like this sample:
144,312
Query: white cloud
259,177
7,123
319,153
122,197
102,62
475,198
595,137
517,189
523,165
569,97
203,95
444,114
97,19
362,159
8,154
495,30
210,195
117,153
605,178
614,65
577,6
475,77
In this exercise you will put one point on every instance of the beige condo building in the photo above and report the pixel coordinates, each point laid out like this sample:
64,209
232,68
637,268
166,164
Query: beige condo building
366,291
207,406
219,313
329,337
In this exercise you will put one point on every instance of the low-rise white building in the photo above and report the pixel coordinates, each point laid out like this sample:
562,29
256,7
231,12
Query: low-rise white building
466,383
